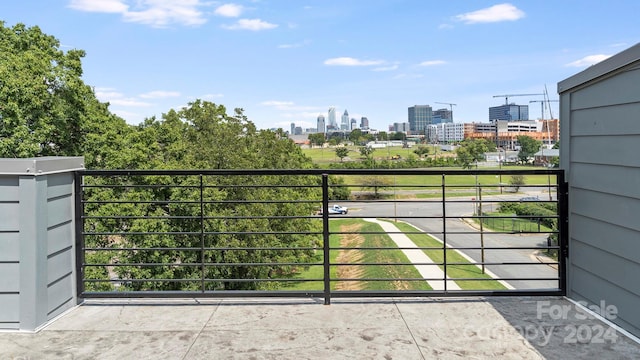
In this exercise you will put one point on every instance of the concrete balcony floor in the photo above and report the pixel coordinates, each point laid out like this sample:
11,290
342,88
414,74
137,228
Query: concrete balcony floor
406,328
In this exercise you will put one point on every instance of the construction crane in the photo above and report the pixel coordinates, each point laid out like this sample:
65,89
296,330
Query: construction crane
542,106
506,97
450,107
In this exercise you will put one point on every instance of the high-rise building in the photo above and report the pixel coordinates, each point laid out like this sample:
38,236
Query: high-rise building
320,125
293,126
364,123
419,117
400,127
509,112
344,123
354,124
332,123
441,116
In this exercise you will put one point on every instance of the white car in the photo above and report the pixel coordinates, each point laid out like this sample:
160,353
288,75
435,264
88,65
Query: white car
336,209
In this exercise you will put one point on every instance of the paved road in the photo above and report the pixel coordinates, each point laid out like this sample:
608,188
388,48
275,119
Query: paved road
461,234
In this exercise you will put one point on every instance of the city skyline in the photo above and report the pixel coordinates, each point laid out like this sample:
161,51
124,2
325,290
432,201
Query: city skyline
284,62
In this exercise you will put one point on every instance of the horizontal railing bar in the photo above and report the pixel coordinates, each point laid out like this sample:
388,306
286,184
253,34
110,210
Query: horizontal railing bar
206,249
199,264
296,172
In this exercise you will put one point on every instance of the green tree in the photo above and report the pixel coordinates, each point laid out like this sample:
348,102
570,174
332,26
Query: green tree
342,152
45,107
316,139
528,147
421,151
472,151
383,136
516,181
366,151
376,183
204,136
355,136
336,137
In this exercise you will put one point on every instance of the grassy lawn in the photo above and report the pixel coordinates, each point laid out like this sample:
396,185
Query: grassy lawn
362,256
386,256
328,155
453,183
453,271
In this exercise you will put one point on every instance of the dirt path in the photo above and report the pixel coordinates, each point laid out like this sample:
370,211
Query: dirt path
352,257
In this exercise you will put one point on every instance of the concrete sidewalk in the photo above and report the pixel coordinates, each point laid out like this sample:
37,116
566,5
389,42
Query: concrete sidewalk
416,256
424,328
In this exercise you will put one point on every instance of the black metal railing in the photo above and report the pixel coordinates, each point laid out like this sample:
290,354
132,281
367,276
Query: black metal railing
233,233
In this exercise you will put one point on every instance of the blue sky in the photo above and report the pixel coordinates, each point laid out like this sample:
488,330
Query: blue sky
287,61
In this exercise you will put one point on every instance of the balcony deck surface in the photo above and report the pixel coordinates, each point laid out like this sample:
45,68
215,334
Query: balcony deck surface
398,328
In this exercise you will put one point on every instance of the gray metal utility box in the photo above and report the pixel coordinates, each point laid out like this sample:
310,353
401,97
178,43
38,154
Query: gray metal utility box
37,246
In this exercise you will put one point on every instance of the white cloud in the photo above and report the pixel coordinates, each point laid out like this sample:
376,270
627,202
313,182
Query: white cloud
278,104
115,98
349,61
229,10
386,68
495,13
433,63
159,94
160,13
156,13
250,24
445,26
103,6
588,60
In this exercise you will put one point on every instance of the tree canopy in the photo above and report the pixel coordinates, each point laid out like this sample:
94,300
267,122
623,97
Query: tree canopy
472,151
528,147
47,110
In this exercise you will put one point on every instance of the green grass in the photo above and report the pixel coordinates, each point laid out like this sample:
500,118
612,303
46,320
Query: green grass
453,256
395,256
328,155
452,182
368,256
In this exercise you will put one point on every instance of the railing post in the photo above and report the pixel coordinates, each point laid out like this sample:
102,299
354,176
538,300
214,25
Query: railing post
563,230
444,230
325,239
79,232
481,226
202,268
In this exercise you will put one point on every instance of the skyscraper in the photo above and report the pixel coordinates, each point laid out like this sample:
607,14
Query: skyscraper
419,117
333,124
293,127
353,124
364,123
344,123
320,124
510,112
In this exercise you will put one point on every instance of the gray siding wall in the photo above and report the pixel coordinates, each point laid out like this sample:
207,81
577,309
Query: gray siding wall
37,253
600,150
60,241
9,253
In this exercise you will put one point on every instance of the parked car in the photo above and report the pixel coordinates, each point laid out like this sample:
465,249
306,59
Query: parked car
530,198
336,210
